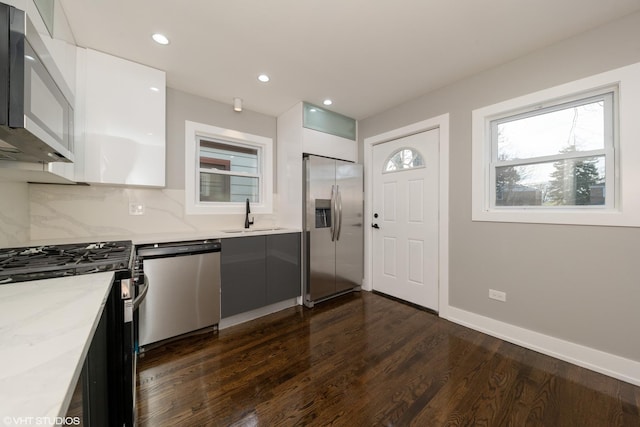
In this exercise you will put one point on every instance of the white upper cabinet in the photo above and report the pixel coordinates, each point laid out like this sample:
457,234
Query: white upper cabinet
324,144
122,121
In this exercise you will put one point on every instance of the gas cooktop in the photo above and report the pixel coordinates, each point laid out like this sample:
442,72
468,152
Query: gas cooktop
45,262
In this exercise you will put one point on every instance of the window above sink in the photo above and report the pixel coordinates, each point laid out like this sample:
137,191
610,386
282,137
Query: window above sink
224,168
228,172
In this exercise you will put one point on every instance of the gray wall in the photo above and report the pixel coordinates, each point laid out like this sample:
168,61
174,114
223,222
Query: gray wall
182,106
577,283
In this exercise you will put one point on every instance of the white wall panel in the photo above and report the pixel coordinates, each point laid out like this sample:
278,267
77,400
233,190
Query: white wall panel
324,144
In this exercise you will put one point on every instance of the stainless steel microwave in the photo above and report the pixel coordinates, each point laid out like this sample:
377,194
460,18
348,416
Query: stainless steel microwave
36,115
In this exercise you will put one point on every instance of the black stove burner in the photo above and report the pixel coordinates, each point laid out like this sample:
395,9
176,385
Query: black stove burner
43,262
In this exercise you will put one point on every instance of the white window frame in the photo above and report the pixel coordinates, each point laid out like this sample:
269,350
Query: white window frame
609,96
622,166
196,131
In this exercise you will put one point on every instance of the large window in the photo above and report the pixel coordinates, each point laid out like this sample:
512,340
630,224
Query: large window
224,168
564,155
561,155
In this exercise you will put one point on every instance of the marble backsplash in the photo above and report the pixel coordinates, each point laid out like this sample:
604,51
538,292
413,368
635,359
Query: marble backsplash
14,214
62,212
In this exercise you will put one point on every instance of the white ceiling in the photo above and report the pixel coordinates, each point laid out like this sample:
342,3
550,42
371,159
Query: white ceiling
366,55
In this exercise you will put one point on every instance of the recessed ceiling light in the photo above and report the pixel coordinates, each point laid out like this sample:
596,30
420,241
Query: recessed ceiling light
154,89
327,102
160,38
264,78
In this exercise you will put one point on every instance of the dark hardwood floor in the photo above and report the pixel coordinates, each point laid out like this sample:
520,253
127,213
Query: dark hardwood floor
366,360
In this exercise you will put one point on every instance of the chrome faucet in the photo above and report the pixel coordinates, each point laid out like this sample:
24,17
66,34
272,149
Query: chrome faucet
247,223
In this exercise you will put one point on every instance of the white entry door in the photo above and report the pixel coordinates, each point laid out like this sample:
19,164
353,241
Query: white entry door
405,218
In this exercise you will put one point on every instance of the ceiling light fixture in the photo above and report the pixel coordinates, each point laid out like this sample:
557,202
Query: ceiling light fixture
264,78
160,38
327,102
237,104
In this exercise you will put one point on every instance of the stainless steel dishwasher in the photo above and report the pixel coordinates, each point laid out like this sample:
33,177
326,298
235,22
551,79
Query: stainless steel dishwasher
184,289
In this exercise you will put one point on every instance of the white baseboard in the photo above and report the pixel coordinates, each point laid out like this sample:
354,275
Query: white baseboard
605,363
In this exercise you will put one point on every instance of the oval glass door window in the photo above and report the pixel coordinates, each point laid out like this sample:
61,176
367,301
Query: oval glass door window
403,159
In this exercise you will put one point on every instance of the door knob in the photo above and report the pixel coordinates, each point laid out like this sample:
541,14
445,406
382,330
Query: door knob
375,226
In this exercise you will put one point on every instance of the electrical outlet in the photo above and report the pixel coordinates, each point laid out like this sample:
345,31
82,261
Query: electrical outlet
498,295
136,208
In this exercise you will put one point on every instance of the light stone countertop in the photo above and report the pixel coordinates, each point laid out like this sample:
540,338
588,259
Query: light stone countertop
141,239
216,234
46,327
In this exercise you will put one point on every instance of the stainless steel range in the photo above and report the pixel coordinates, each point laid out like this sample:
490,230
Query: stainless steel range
109,372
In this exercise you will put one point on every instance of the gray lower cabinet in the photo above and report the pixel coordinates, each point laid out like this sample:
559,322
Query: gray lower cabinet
258,271
283,267
244,282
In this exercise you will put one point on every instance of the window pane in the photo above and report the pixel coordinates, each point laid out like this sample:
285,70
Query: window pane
571,182
227,188
214,188
243,188
574,128
216,155
404,158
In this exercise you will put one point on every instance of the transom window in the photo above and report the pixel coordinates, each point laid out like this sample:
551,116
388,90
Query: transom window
556,155
224,168
402,159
